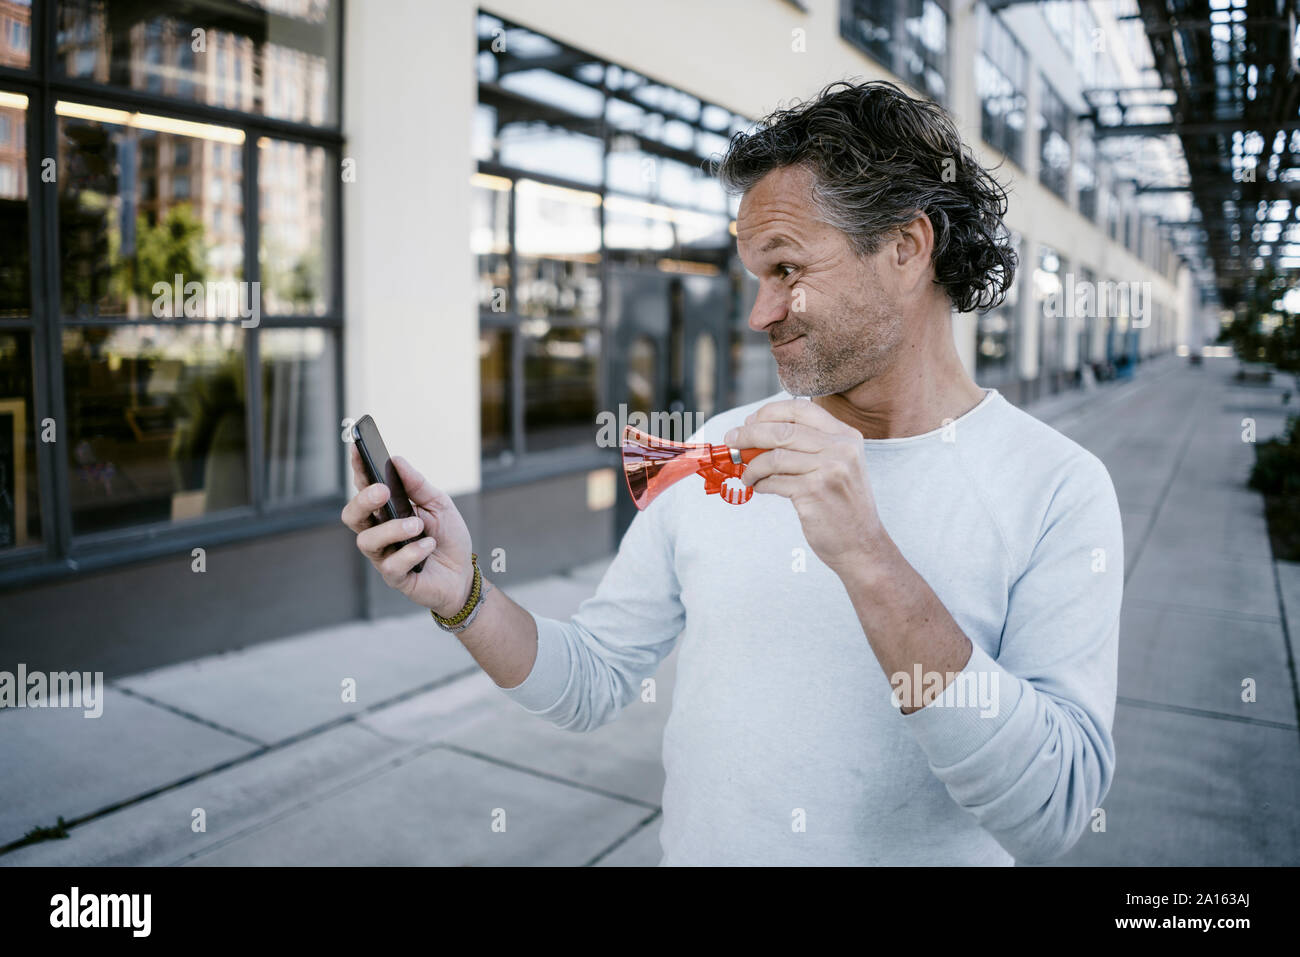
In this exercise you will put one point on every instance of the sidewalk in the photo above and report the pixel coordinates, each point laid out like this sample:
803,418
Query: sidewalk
431,755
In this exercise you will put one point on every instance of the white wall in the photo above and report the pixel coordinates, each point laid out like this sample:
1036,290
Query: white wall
411,321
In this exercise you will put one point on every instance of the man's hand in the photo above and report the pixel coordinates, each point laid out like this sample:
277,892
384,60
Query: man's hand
818,463
448,575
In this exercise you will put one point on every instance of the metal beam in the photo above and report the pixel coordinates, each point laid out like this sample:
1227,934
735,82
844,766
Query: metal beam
1197,129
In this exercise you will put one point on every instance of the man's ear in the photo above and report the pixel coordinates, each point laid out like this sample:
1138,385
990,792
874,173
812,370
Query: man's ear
913,248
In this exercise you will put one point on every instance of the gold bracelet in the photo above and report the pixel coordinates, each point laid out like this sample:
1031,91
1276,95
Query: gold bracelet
475,593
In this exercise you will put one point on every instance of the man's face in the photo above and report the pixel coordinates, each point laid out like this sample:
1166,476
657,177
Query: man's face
830,319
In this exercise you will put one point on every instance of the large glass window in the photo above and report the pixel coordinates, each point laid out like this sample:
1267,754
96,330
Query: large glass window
20,516
584,166
16,33
996,331
277,58
118,240
155,423
1085,172
166,294
1001,79
1054,140
908,37
1050,309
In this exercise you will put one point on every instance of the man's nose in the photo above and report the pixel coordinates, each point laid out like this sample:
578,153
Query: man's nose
770,305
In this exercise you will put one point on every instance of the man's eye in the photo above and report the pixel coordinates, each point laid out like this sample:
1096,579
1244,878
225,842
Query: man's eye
781,270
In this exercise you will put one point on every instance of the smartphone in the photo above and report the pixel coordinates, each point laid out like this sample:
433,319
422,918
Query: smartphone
379,468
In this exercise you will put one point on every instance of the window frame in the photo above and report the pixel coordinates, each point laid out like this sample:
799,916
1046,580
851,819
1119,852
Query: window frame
61,553
898,44
525,466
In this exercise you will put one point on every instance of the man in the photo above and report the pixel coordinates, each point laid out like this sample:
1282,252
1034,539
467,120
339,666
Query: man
902,649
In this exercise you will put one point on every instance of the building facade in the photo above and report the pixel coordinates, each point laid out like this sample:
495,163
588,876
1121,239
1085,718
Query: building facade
490,227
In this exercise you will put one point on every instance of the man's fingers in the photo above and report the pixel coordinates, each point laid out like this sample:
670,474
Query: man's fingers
374,541
778,435
398,565
359,510
781,462
359,477
420,490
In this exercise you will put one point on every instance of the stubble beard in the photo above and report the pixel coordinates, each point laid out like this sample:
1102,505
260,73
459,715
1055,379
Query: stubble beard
844,354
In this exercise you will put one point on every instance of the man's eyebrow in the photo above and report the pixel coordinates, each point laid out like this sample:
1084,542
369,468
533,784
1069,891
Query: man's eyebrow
776,242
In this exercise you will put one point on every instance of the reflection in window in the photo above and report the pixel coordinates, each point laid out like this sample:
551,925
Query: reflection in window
1001,80
560,385
494,352
489,239
1085,174
16,33
1049,308
557,244
276,58
642,375
15,241
1054,137
117,239
706,371
155,429
296,228
299,398
925,55
909,37
995,332
20,517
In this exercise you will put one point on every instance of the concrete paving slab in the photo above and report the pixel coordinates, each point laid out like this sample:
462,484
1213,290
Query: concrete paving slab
624,756
1202,579
640,849
432,715
1134,522
1178,657
276,690
1288,579
159,830
438,808
1228,525
57,762
1195,791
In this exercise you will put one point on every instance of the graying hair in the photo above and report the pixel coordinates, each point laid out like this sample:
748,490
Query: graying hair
877,157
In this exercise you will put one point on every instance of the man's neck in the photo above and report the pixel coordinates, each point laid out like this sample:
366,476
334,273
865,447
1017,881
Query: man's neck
925,385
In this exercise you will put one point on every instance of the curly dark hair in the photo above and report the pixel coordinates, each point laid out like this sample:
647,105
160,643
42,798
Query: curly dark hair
878,156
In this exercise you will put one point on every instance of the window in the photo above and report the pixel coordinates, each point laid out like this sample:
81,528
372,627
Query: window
208,400
1085,173
1054,140
908,37
1050,309
1001,79
583,167
288,48
16,34
996,330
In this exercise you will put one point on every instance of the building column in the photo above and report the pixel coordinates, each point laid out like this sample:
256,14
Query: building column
411,322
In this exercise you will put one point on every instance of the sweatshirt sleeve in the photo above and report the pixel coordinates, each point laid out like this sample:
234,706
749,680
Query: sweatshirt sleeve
1033,769
589,667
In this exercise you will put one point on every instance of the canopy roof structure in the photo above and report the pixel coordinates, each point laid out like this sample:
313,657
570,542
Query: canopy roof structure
1228,101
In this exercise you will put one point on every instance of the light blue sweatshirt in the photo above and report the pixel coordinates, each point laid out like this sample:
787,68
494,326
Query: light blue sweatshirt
784,745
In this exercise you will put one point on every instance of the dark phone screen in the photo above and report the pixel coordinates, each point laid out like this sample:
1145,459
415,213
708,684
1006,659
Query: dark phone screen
374,455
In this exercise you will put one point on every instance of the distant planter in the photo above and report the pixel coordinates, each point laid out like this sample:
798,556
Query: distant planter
1255,372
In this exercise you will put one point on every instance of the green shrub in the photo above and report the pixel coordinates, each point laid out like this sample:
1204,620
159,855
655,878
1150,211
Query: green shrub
1277,462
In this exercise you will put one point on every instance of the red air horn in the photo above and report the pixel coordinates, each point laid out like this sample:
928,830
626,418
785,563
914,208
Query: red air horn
651,464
